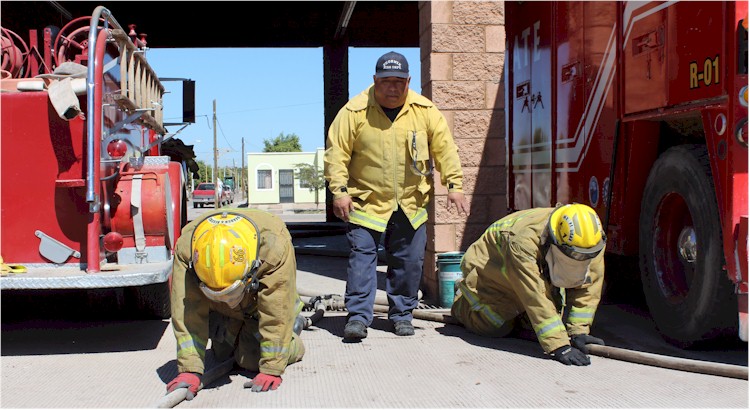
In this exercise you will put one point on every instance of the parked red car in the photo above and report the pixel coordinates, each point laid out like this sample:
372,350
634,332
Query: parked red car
205,194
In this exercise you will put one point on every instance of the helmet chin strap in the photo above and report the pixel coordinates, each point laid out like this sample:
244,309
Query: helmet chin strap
251,277
546,240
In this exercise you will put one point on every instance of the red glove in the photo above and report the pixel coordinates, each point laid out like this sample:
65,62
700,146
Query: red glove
189,380
264,382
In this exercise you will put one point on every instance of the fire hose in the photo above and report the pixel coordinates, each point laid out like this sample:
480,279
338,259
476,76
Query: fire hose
178,395
667,362
318,304
650,359
321,303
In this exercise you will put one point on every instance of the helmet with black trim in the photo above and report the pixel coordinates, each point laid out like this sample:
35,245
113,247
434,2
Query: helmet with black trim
577,231
224,249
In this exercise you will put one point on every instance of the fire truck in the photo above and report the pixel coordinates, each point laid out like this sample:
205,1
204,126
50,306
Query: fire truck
639,110
92,185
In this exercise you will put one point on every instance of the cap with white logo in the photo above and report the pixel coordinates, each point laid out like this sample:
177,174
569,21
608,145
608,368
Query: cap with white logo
392,64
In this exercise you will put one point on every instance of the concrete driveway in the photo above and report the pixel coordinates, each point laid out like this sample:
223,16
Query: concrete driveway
58,354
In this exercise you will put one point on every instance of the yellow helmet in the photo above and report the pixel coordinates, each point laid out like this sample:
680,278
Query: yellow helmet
577,231
225,249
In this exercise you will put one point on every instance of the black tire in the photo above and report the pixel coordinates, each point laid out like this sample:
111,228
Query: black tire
690,298
151,301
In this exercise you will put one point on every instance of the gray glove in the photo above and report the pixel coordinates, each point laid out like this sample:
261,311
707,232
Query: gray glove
580,342
568,355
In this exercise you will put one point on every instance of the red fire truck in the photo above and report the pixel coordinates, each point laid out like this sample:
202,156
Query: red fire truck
91,196
639,109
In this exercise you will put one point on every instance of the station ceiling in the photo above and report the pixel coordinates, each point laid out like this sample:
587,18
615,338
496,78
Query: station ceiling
220,24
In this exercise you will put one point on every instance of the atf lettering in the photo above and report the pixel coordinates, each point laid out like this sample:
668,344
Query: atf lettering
521,45
709,75
537,53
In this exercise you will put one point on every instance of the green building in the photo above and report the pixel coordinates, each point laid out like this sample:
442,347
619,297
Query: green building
272,178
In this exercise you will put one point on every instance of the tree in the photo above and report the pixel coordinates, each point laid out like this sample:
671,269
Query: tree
312,177
203,171
283,143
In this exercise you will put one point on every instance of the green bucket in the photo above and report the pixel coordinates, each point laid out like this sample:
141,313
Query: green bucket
449,271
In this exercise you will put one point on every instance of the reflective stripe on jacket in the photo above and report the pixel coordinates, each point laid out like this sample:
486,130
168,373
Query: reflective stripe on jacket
276,305
373,160
503,275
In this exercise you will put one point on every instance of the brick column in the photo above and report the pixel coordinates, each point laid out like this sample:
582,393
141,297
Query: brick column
462,46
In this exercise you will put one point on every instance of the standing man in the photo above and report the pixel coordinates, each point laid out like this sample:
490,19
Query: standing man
234,282
378,160
538,261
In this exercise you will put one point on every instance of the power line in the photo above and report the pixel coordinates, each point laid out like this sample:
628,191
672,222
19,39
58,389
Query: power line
224,135
273,108
253,109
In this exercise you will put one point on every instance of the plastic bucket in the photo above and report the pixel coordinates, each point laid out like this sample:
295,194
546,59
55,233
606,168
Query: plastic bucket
449,271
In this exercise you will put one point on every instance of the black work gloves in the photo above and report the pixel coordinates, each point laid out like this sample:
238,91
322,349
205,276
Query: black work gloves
580,342
568,355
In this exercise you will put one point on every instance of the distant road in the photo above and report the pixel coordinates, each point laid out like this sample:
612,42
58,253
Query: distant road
286,216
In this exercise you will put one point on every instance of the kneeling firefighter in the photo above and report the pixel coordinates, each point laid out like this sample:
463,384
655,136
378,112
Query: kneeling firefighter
543,266
234,281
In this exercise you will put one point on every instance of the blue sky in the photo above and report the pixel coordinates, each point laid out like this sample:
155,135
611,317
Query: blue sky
259,93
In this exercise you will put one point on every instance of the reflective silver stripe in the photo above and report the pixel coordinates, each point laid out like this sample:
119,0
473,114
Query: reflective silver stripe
581,315
362,219
187,345
268,349
419,218
549,326
482,308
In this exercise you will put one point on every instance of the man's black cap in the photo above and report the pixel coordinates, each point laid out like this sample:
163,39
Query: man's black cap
392,64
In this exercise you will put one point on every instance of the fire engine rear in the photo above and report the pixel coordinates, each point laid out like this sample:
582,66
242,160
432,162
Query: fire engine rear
639,109
91,196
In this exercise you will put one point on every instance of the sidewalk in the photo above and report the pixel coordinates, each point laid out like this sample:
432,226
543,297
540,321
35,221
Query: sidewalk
291,209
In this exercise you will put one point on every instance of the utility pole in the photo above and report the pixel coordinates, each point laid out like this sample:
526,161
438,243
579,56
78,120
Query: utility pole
216,165
242,172
234,176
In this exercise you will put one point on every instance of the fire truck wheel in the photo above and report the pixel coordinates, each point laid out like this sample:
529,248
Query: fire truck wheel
151,301
687,291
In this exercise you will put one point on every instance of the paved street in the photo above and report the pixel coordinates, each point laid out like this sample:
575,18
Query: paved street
291,213
58,354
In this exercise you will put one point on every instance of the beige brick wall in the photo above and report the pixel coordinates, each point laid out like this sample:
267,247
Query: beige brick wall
462,50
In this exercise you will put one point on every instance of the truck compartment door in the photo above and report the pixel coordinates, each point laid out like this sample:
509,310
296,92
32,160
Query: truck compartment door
531,105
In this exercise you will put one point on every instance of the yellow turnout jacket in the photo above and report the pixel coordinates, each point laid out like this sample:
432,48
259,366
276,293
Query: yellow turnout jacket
275,305
371,159
503,278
